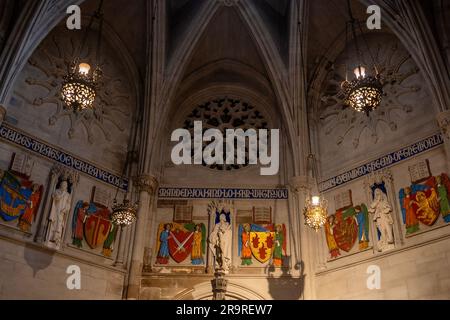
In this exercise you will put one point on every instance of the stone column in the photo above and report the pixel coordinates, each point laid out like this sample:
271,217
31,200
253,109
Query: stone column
2,114
300,187
443,119
121,239
146,185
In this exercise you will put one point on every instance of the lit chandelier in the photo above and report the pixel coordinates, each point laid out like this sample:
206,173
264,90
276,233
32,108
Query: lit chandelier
364,93
315,210
80,85
123,214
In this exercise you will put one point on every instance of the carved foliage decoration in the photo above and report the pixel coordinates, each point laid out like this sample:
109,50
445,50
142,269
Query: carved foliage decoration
113,101
226,113
397,70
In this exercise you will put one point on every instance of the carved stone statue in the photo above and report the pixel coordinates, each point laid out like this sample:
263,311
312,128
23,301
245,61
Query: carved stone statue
220,243
59,211
381,209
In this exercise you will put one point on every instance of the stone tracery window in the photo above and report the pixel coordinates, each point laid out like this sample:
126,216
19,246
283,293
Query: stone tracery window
226,113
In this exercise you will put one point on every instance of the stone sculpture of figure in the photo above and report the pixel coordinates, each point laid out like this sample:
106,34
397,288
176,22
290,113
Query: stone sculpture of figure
220,242
381,209
58,213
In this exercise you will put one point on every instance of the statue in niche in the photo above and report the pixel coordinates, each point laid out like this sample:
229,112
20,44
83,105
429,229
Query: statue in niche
220,240
381,209
60,208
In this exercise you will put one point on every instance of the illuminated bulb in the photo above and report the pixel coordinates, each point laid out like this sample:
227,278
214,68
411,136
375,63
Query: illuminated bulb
84,68
360,72
315,200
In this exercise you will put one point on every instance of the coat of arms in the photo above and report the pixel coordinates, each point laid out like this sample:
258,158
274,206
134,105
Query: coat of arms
91,222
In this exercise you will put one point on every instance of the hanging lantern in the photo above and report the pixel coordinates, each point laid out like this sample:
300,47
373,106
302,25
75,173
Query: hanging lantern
123,214
80,86
315,212
363,93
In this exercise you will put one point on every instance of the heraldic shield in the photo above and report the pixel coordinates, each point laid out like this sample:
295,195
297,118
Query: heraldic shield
345,230
180,244
97,227
261,244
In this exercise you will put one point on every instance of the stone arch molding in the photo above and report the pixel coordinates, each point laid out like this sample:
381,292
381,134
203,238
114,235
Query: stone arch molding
235,291
179,61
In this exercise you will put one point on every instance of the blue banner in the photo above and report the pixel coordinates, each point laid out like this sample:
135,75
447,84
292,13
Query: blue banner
38,147
222,193
383,162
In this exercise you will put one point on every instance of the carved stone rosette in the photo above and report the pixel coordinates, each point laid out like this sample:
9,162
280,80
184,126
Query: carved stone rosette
146,183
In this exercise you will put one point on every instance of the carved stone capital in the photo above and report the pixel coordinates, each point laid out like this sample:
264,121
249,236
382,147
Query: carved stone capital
443,119
146,183
300,184
2,113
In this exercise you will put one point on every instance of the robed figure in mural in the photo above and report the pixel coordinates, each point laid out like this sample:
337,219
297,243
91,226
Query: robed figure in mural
220,242
163,251
196,253
59,210
246,252
381,210
278,246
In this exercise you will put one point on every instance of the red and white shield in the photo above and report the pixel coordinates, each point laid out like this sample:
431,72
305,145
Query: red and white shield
180,244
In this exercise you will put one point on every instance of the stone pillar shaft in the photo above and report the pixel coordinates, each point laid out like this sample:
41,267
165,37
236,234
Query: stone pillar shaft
147,186
443,119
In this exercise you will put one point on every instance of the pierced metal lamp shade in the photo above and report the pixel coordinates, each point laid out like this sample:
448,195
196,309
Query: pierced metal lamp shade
79,87
123,214
315,212
363,94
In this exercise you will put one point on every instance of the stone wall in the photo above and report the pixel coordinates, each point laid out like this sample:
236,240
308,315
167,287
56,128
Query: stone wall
420,272
30,271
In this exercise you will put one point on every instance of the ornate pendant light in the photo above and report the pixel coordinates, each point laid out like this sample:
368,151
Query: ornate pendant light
365,91
80,85
316,206
123,214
